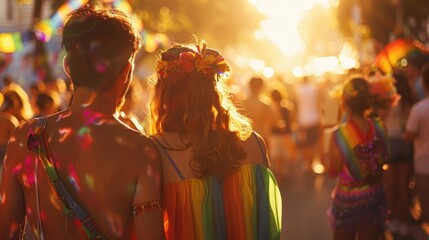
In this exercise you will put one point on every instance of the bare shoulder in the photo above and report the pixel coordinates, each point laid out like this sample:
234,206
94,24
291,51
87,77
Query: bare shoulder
137,145
19,135
17,151
256,150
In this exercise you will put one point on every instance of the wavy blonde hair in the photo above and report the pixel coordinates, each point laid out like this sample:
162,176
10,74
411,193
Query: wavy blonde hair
197,105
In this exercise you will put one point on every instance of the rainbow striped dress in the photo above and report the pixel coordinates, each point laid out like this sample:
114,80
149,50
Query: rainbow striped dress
358,198
245,205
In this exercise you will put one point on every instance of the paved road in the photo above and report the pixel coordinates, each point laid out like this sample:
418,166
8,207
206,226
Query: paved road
306,197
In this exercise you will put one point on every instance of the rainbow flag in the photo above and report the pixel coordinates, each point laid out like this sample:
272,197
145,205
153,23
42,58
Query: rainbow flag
390,56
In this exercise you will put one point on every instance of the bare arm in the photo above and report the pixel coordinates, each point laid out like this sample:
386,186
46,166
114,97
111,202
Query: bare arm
12,203
148,219
334,163
409,136
412,126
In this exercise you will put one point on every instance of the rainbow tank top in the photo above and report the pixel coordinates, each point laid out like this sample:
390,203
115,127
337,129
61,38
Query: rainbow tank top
245,205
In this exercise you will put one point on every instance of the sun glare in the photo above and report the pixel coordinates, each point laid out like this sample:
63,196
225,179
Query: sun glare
282,19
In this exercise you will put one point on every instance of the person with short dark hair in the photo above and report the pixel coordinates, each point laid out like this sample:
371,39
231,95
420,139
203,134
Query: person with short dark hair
413,71
47,103
81,173
257,110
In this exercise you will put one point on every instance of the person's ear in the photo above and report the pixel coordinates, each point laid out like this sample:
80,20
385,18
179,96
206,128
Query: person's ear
66,67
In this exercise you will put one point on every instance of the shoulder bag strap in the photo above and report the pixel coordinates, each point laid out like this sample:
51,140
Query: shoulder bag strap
38,142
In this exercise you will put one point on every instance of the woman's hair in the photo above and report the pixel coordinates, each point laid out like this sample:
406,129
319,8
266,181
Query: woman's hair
356,94
192,99
99,43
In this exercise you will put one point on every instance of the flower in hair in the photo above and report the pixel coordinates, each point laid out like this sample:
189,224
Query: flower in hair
200,61
161,68
186,60
383,91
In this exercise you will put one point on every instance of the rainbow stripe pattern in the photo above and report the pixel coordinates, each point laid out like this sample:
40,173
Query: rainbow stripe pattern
246,205
390,56
348,136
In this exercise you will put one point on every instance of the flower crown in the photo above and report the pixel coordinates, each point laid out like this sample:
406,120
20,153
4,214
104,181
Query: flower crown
383,91
200,61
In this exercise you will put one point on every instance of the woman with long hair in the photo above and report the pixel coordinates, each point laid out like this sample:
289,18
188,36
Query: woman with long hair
215,169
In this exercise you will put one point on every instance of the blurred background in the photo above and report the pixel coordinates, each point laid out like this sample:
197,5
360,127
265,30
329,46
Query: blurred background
281,41
273,38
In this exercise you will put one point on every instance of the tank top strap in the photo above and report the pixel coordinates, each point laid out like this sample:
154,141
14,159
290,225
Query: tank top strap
263,155
380,132
170,159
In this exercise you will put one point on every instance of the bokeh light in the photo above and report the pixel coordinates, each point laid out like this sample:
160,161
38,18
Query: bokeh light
281,25
268,72
298,72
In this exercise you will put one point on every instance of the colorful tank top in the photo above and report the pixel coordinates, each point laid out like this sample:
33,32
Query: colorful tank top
358,198
245,205
363,154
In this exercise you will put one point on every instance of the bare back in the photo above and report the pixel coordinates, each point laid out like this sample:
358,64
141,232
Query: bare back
106,166
255,149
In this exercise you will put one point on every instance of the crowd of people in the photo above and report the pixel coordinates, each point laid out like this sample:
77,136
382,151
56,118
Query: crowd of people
78,162
87,172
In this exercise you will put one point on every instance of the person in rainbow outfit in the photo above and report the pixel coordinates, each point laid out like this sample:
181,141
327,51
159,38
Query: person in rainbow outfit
357,150
216,180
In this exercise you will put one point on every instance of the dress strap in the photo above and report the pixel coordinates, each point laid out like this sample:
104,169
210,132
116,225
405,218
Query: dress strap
170,159
264,156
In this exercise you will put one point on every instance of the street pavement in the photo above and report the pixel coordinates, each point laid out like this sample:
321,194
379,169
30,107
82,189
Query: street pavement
306,198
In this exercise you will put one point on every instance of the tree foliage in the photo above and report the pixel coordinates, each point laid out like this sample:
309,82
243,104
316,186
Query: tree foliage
383,17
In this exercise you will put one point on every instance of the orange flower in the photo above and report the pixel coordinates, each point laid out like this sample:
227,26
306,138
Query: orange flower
187,60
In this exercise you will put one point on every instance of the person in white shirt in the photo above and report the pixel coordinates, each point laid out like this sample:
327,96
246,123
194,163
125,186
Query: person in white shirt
308,102
417,130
